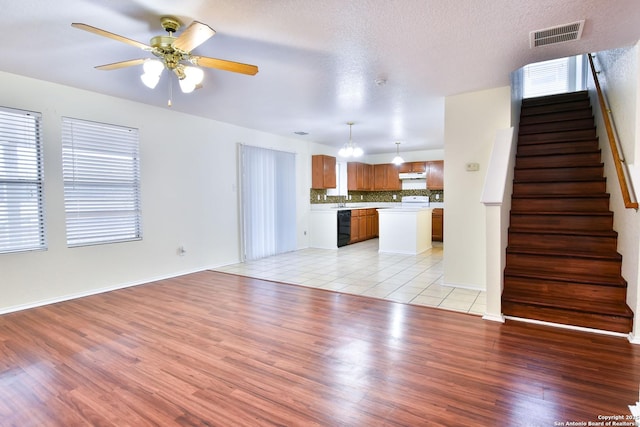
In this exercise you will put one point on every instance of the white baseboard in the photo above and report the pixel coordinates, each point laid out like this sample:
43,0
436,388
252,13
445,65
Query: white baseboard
494,317
470,287
68,297
634,339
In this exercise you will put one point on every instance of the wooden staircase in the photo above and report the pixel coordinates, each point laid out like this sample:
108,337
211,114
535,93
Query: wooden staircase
562,263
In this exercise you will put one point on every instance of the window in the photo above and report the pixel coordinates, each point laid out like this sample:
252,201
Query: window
101,175
555,76
21,179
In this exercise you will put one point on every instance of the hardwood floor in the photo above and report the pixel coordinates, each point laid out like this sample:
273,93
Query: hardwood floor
222,350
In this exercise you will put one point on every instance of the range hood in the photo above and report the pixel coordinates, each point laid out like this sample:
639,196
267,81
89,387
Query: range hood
413,175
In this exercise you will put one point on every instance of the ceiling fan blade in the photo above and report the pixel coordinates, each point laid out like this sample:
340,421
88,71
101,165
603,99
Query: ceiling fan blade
222,64
121,64
113,36
192,37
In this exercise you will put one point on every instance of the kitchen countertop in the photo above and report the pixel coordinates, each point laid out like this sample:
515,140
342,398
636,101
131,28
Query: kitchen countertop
407,209
332,207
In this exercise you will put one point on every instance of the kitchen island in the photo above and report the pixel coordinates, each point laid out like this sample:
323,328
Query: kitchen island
325,227
404,230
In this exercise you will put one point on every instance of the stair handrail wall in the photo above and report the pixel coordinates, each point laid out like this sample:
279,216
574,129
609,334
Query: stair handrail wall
628,196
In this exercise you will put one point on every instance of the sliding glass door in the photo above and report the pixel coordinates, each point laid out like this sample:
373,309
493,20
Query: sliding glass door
268,201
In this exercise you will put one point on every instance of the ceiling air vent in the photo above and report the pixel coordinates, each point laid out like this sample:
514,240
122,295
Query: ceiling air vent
559,34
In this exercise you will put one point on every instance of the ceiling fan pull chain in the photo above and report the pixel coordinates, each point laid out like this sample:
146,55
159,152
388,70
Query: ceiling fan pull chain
170,103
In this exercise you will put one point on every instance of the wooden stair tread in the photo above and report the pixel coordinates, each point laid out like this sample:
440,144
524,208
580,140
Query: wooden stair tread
590,278
594,233
565,213
535,131
574,253
542,117
571,105
528,156
559,196
600,164
567,181
585,306
555,98
564,140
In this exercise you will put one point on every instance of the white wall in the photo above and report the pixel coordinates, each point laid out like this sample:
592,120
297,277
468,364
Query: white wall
471,123
189,197
620,80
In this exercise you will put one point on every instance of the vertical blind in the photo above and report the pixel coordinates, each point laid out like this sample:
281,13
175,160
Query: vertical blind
268,202
101,175
21,181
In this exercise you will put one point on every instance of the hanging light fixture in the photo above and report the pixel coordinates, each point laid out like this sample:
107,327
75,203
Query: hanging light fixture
397,160
350,149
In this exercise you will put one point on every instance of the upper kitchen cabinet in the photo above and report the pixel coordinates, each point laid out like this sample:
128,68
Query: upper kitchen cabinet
360,176
408,167
323,172
435,175
385,177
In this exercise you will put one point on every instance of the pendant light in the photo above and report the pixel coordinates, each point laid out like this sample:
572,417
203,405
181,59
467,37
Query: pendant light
397,160
350,149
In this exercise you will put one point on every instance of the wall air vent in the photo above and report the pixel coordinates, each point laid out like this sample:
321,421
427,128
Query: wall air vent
559,34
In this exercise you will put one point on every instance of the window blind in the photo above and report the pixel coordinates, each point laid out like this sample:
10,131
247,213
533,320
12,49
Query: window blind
21,181
101,175
547,78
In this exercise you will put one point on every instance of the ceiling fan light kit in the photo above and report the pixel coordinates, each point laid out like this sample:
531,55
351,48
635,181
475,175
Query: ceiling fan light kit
350,149
174,54
152,70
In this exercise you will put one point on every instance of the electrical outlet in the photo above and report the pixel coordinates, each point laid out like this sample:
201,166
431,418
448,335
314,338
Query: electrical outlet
395,197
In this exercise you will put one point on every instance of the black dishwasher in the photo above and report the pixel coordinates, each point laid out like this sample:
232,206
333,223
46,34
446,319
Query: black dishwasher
344,227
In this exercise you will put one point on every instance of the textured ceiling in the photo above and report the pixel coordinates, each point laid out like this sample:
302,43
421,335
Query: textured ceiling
319,60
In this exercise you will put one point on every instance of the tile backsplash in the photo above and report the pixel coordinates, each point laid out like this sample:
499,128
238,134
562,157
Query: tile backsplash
318,196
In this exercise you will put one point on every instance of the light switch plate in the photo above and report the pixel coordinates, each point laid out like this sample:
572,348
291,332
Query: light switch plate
472,167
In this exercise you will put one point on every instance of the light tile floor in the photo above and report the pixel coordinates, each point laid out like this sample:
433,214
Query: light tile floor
359,269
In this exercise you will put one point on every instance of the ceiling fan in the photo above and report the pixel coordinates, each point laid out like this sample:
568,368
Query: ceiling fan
173,53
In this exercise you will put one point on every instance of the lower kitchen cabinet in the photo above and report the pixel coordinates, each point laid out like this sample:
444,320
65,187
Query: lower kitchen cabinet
437,225
364,225
355,226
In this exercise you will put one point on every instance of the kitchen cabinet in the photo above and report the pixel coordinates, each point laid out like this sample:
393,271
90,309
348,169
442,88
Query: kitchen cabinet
372,223
437,225
364,224
358,226
435,175
367,176
386,177
408,167
359,176
323,172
